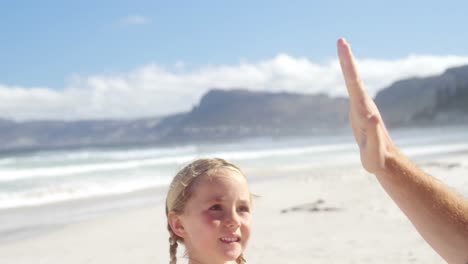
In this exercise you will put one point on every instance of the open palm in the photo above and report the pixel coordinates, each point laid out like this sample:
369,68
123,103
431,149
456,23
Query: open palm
368,128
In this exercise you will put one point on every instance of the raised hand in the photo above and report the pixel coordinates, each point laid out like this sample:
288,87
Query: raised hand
374,142
439,214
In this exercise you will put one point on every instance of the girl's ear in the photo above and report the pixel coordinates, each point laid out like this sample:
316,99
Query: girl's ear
175,222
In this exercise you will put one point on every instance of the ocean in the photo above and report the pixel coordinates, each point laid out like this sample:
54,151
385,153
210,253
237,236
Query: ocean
39,183
44,177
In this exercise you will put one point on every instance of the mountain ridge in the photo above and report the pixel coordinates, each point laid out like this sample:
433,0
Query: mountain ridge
240,113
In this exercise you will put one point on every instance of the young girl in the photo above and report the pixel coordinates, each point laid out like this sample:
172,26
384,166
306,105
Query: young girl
208,210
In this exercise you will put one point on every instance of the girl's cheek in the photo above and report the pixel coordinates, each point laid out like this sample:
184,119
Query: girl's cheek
247,218
211,219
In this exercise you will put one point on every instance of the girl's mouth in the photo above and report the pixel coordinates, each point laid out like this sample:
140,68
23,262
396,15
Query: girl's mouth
230,239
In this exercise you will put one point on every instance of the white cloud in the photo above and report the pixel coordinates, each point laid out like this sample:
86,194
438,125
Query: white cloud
153,90
135,20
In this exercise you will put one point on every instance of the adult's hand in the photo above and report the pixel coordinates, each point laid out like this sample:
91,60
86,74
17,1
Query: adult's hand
438,213
374,142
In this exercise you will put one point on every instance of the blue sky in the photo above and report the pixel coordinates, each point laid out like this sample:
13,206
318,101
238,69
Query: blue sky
55,49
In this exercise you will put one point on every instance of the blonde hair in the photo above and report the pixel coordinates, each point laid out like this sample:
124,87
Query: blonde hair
181,190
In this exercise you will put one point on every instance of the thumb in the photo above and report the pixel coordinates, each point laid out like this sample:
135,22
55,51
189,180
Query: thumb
372,149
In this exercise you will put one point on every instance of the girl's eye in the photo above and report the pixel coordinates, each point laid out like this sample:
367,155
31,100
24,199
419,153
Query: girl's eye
244,209
215,207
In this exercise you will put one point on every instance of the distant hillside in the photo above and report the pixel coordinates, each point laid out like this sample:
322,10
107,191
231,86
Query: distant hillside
241,113
219,115
60,134
234,114
433,100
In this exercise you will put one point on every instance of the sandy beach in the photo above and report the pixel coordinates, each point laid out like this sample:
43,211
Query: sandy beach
302,215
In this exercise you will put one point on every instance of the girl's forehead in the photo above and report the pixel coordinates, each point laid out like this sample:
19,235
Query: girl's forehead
225,177
221,185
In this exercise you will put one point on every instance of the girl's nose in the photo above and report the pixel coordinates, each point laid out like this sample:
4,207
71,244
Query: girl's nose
233,220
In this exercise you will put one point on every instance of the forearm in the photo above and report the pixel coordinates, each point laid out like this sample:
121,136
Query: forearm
438,213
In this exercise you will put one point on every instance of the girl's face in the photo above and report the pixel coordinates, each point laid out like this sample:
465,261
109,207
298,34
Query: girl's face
216,220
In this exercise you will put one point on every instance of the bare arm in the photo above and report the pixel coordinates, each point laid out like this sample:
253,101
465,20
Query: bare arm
439,214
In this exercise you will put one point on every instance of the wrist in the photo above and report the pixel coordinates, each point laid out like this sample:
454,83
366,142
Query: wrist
393,160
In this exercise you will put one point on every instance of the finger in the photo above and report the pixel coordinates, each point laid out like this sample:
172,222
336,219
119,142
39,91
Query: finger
353,82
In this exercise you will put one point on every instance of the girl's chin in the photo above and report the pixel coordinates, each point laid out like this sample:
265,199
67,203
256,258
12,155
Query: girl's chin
231,255
231,252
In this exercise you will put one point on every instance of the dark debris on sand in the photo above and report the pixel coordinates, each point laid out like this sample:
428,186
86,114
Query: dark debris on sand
317,206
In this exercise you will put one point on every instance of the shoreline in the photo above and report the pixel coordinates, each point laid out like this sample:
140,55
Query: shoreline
328,215
15,223
321,212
